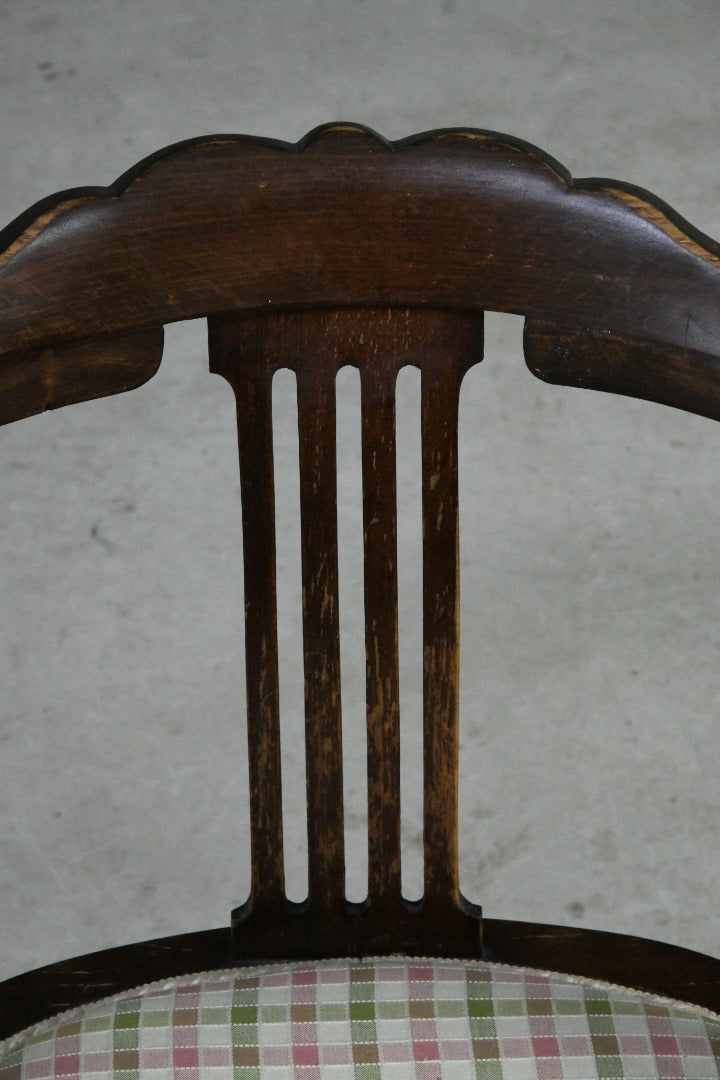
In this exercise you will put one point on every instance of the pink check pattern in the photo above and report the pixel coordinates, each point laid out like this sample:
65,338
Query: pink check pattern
387,1019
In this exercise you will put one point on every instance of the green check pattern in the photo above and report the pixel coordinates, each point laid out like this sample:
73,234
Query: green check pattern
385,1019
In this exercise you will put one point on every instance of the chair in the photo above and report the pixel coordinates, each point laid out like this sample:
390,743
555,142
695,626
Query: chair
346,249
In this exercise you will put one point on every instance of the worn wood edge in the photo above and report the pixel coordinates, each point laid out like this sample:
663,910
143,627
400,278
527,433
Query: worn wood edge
636,962
31,223
597,360
35,382
654,210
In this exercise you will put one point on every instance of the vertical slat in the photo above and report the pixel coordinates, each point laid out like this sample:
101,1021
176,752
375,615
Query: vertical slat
261,657
251,378
440,393
321,637
381,633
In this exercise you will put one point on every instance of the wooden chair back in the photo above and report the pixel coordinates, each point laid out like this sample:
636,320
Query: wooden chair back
343,250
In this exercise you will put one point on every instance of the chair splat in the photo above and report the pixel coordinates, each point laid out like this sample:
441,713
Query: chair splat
247,349
441,629
382,690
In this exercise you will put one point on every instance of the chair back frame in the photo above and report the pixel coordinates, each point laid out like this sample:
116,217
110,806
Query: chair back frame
247,349
347,249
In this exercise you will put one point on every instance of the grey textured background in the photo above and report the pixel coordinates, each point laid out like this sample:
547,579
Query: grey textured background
589,781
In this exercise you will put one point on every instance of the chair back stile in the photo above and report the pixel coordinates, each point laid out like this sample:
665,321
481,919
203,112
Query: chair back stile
247,349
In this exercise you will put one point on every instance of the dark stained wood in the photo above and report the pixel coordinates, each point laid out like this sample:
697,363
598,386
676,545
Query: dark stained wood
462,219
253,389
346,249
321,636
618,958
382,694
686,379
441,375
247,349
34,382
441,628
25,999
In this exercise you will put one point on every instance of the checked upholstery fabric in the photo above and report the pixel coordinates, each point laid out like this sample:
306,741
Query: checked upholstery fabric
388,1019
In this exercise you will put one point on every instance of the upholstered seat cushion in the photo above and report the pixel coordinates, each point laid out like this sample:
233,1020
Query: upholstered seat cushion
387,1018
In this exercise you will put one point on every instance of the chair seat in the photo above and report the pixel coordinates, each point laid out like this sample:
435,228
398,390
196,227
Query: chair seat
372,1019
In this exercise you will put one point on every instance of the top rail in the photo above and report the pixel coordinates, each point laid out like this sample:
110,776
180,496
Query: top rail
462,219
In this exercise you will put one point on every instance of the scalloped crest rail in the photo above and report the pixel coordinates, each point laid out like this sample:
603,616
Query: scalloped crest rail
347,249
618,291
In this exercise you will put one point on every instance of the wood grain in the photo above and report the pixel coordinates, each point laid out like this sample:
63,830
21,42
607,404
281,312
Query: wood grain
253,389
381,631
321,638
247,349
